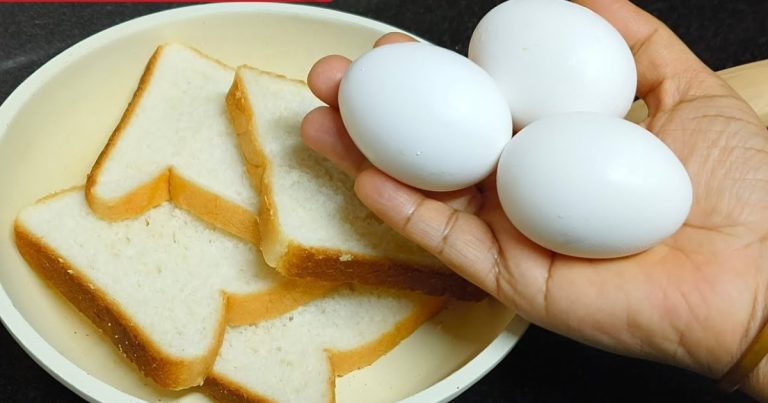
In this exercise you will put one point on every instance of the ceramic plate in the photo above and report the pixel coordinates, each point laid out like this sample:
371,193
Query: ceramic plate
53,127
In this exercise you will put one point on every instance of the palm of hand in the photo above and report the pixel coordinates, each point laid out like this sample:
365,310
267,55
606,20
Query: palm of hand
683,300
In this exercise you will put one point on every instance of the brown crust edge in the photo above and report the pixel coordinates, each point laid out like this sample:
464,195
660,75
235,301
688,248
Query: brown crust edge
145,196
333,265
223,389
298,261
273,243
213,209
247,309
344,362
130,340
168,184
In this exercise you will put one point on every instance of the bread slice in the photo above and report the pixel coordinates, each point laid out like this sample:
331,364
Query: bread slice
175,142
161,286
297,357
312,225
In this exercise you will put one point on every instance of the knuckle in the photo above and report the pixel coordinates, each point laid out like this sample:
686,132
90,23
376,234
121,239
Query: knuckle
431,224
447,231
407,226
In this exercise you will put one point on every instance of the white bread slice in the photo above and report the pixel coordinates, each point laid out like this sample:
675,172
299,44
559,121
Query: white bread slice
175,142
161,286
297,357
312,225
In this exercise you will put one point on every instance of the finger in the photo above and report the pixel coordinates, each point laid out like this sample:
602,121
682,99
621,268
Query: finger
324,78
323,131
468,200
668,72
587,300
431,224
459,239
393,37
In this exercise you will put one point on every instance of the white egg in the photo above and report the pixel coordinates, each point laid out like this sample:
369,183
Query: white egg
425,115
554,56
591,185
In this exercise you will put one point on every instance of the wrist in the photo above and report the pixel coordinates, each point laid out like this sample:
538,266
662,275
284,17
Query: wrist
756,385
752,361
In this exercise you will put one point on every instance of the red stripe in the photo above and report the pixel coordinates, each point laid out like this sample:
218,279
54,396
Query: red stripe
164,1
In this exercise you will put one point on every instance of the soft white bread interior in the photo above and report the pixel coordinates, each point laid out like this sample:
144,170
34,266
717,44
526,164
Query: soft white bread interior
161,286
297,357
175,142
311,223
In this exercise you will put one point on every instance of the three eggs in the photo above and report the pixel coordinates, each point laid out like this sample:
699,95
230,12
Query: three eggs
576,178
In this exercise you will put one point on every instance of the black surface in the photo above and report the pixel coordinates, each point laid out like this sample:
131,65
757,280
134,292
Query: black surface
543,367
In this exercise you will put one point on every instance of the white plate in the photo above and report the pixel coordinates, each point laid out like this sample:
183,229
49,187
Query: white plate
52,128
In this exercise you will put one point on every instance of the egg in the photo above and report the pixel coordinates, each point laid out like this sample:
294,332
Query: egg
554,56
425,115
593,186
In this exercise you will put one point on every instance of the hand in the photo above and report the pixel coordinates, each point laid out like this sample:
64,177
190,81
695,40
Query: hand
696,300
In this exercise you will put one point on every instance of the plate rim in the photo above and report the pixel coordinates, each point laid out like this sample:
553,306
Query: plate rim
93,389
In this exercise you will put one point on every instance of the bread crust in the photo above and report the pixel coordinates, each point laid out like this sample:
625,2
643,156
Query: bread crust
168,184
299,261
247,309
129,339
333,265
344,362
255,165
145,196
224,389
211,208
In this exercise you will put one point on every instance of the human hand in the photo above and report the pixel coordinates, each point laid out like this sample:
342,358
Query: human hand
696,300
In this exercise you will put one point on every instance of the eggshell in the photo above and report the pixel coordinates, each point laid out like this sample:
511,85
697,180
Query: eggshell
425,115
554,56
592,186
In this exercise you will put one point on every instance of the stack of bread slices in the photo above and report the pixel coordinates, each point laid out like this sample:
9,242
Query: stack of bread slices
213,248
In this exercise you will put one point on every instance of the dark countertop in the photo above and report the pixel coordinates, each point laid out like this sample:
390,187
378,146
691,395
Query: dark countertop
544,367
